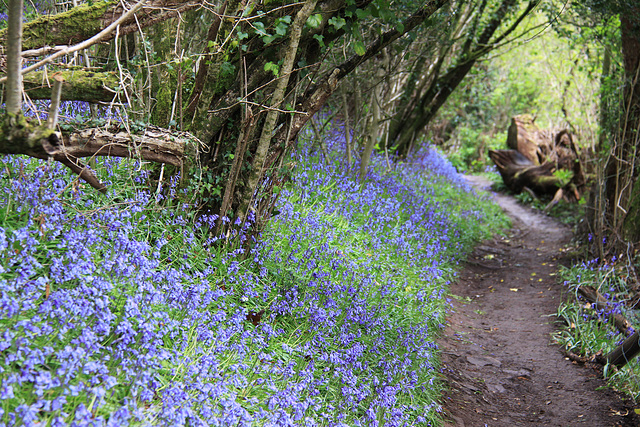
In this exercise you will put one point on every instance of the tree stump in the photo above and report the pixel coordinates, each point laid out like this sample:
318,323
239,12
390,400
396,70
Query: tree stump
544,161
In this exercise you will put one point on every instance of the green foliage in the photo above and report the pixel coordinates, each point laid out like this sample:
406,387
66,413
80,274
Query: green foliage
586,330
274,68
549,76
564,176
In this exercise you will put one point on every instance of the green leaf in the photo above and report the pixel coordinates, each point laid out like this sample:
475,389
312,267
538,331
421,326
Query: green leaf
314,21
362,14
400,27
227,69
268,39
242,36
320,39
337,22
281,28
260,30
358,46
270,66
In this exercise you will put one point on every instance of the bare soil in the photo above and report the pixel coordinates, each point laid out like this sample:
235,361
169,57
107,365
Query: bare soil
499,361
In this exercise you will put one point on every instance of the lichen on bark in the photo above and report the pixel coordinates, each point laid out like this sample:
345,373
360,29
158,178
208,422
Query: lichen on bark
74,25
79,85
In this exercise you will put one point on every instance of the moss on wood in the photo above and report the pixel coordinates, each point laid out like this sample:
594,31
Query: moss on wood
19,135
631,227
79,85
77,24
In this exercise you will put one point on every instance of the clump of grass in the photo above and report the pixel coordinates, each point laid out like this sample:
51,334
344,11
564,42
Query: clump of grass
119,310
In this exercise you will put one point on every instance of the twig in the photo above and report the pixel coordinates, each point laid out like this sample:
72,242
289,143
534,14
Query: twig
85,44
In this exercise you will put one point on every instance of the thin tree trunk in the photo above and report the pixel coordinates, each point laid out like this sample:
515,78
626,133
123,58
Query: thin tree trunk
14,57
272,115
347,127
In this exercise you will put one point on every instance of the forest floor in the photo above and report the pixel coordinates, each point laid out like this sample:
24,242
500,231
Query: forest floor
499,361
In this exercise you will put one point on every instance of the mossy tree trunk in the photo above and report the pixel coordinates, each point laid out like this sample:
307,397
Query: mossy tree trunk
623,186
262,76
239,110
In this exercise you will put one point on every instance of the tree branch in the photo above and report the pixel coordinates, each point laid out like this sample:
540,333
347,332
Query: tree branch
85,44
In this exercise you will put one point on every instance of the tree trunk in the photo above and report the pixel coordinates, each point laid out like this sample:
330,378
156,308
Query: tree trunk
14,57
622,190
403,131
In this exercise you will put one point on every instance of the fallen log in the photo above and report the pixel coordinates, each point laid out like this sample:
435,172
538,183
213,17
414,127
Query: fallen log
78,85
19,135
625,352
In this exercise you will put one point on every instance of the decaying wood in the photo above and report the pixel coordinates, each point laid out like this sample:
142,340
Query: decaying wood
155,145
595,358
600,303
535,156
518,172
21,136
625,352
88,19
79,85
524,136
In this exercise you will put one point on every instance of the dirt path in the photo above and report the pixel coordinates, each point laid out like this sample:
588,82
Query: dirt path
498,359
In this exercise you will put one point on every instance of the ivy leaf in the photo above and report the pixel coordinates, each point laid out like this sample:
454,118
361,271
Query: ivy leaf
281,28
260,30
268,39
241,35
227,69
270,66
362,14
320,39
337,22
314,21
358,46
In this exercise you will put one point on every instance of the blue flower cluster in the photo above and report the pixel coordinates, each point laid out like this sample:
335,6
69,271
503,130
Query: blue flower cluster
124,310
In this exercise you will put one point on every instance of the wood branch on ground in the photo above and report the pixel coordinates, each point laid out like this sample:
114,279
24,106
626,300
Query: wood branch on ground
19,135
79,85
600,303
536,156
625,352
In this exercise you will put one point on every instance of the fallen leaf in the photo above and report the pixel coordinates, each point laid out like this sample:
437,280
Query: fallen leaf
514,289
620,414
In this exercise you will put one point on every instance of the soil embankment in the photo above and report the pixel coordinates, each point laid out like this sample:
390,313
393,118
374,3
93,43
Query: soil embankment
498,358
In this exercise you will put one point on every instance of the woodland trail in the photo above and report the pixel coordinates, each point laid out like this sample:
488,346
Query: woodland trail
498,358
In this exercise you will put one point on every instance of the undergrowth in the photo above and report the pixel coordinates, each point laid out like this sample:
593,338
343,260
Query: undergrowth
588,329
124,310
